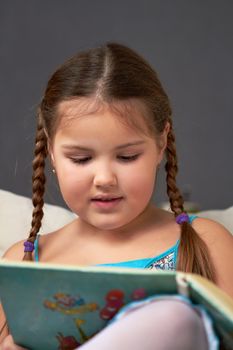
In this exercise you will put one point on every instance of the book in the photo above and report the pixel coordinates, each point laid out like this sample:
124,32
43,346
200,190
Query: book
51,306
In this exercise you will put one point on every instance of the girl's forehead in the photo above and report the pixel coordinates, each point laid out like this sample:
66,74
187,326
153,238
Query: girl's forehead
130,114
78,107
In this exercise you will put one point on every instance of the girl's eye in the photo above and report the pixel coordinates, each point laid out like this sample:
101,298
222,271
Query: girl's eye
122,158
128,158
80,160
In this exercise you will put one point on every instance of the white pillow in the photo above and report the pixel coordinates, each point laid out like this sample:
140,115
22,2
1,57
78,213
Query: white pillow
223,216
16,216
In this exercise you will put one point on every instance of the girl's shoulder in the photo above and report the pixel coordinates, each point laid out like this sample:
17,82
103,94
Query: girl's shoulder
218,239
15,252
220,245
211,231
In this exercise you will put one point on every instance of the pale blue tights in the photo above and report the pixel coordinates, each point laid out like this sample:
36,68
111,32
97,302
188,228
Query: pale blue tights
160,325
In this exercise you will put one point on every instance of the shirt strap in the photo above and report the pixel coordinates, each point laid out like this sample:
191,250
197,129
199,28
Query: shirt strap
192,217
36,252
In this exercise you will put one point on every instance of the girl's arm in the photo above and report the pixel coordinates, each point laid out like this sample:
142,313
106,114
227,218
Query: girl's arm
220,243
8,344
3,325
6,341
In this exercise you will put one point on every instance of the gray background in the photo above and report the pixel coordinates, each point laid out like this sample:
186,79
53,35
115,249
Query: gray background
189,43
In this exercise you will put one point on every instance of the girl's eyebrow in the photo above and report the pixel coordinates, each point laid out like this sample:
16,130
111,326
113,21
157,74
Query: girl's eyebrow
82,148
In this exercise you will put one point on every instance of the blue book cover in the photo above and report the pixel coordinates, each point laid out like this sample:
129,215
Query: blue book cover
51,306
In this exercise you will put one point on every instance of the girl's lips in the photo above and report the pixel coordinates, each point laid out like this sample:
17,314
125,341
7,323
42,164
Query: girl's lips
106,204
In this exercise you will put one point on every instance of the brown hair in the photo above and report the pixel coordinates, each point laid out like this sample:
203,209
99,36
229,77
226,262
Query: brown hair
114,72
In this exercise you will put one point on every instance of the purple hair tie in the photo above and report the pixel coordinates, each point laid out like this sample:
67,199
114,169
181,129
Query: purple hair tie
28,246
183,217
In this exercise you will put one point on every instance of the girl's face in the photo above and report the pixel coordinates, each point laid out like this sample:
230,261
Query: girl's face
96,155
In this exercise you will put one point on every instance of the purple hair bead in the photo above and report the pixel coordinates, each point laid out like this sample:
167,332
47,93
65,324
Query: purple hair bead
28,246
183,217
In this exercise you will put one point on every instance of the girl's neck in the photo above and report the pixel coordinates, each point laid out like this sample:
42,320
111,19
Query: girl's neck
147,220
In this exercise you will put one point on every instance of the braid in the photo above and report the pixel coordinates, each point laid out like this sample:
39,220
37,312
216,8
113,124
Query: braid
193,255
38,183
174,195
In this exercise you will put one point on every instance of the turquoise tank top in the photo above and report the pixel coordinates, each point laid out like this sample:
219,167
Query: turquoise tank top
165,261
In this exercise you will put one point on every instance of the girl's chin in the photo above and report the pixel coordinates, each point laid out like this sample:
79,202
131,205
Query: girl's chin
107,224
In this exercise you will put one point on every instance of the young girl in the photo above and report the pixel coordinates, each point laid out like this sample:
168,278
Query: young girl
105,122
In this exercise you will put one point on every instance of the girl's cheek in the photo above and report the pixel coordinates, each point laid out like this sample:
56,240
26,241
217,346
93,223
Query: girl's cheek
142,185
144,176
71,172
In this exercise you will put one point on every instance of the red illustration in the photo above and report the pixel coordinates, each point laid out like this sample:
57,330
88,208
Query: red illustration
67,343
115,300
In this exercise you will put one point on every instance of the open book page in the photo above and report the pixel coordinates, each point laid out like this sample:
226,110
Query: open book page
60,305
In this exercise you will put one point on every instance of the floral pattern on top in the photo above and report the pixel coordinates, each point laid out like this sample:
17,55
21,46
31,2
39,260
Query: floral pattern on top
165,263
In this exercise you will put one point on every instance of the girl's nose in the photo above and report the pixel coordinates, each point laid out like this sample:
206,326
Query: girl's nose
105,177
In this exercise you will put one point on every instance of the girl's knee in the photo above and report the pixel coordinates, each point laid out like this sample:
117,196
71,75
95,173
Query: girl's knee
176,310
175,314
179,317
183,324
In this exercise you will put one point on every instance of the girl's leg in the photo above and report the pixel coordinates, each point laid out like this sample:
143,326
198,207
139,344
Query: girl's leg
160,325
